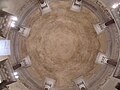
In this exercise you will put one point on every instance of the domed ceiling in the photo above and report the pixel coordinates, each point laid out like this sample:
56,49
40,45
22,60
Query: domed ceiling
62,45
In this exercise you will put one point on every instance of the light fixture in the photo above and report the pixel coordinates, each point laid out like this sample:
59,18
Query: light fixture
115,5
16,77
14,18
12,24
15,73
0,78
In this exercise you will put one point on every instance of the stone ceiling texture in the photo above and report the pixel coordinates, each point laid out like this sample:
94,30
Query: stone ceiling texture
63,44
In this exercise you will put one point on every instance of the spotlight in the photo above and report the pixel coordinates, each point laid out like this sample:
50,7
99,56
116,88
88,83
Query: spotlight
15,73
115,5
12,24
16,77
14,18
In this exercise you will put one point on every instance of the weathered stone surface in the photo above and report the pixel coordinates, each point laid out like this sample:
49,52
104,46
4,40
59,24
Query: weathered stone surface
63,44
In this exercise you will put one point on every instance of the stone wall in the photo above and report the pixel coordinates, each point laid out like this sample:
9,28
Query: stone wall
17,86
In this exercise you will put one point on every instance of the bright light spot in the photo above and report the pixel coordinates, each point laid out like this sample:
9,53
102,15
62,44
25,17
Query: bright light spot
12,24
16,77
115,5
5,47
14,18
0,78
15,73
